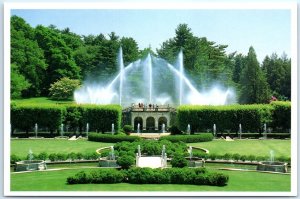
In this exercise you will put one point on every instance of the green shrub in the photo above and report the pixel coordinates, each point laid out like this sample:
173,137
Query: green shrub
97,137
125,161
106,176
53,157
203,137
151,176
228,117
236,156
217,179
174,130
63,89
14,158
42,156
179,161
127,129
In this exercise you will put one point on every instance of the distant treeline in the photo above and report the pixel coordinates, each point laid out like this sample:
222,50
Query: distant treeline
42,55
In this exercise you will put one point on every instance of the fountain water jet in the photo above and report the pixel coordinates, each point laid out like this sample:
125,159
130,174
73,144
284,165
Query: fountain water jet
188,130
156,75
35,129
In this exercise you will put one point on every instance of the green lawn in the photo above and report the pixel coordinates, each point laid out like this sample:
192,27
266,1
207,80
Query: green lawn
248,147
238,181
42,100
20,147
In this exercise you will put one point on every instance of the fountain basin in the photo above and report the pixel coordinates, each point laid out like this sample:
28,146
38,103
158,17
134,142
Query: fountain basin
107,163
272,166
30,165
196,163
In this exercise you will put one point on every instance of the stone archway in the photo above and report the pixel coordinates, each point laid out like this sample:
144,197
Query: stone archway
138,120
161,121
150,124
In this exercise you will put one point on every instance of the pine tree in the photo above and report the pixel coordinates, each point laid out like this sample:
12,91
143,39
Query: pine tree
254,87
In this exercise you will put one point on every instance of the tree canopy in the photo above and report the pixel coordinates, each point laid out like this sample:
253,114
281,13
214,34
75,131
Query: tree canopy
40,56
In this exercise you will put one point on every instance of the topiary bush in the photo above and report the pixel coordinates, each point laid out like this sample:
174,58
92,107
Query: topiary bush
14,158
125,161
179,161
127,129
174,130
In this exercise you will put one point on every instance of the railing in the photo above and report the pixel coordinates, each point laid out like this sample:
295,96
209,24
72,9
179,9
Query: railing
149,108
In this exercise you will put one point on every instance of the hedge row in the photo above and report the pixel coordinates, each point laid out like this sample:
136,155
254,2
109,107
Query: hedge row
281,115
57,156
251,117
256,135
198,176
238,157
203,137
150,147
98,137
99,117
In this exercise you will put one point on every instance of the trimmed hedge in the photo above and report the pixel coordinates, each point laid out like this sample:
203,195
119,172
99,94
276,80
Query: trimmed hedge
24,117
201,118
281,115
97,137
203,137
197,176
99,117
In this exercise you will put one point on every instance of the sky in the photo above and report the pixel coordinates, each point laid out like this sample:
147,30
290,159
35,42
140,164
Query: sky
268,31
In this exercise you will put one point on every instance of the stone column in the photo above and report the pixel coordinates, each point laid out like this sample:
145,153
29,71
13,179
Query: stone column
144,122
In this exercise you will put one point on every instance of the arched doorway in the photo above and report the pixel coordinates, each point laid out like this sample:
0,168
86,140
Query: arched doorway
150,124
138,120
161,121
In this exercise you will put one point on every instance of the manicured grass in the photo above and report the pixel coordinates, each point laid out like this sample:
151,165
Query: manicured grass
42,100
247,147
56,181
20,147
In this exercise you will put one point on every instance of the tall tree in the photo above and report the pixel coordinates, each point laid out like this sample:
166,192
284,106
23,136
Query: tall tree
254,87
58,55
27,57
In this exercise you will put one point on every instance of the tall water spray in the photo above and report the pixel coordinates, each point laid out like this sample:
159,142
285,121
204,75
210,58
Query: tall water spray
180,59
149,66
36,129
148,81
121,65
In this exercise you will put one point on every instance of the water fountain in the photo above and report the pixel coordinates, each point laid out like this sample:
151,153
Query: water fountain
163,129
190,150
110,160
214,130
36,130
156,80
272,165
30,164
138,128
163,157
265,131
87,129
112,128
240,131
188,129
62,130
